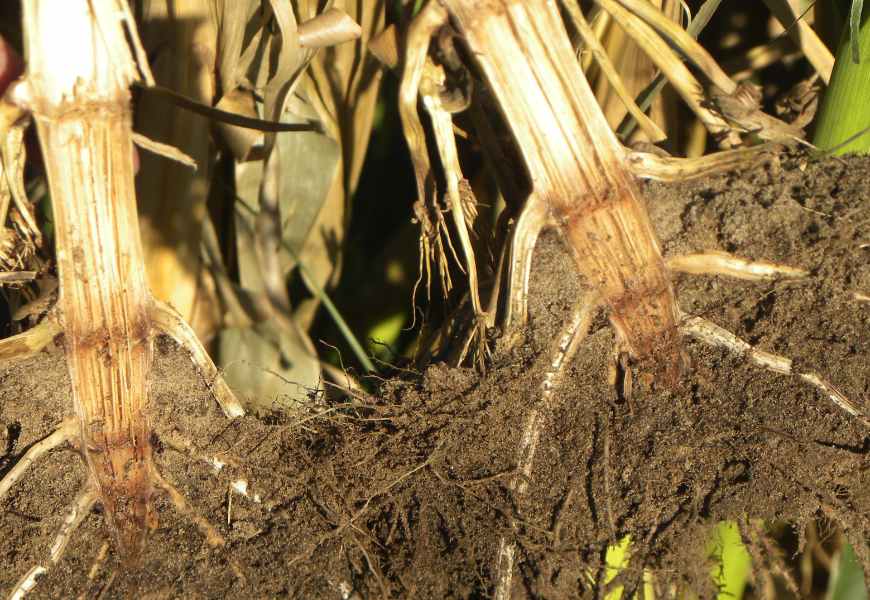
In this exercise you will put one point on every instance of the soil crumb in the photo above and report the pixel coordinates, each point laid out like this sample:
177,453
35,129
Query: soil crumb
411,494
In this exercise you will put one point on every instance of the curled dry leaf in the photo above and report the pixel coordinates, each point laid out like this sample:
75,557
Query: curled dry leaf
239,139
385,47
329,28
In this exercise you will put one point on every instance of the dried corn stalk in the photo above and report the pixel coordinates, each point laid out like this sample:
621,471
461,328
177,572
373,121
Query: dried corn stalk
585,184
577,169
78,93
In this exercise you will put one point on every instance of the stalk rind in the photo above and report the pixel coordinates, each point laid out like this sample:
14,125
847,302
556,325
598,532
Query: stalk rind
80,99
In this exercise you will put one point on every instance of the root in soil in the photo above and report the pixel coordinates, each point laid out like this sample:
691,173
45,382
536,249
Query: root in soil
412,493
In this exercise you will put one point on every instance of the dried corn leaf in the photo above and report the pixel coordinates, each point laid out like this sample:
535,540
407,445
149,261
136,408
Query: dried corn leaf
309,164
239,139
673,68
267,346
233,24
653,132
329,28
385,46
181,38
804,36
678,38
222,116
341,84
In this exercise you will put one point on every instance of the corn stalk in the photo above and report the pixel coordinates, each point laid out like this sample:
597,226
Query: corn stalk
577,167
78,94
585,184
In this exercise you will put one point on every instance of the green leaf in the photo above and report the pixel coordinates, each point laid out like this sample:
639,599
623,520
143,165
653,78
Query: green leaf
855,30
847,577
844,116
731,570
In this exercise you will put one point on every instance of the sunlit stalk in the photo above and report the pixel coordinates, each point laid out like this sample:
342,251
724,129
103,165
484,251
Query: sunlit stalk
79,72
577,168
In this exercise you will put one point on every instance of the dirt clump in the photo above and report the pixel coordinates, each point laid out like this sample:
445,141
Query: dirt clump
408,494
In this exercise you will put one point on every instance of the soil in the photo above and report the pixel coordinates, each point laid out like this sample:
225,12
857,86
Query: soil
408,494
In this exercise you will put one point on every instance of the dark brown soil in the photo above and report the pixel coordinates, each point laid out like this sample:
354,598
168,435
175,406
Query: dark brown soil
407,495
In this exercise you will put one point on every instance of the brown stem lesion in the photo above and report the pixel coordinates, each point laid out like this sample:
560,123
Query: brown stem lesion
104,304
578,171
618,254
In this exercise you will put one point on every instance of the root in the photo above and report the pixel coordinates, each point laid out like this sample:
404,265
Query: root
31,341
186,448
167,321
474,339
755,555
65,432
774,558
83,504
443,124
214,539
573,332
528,226
716,336
26,583
723,263
506,551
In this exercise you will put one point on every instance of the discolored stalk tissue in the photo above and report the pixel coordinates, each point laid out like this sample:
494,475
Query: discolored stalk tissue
78,93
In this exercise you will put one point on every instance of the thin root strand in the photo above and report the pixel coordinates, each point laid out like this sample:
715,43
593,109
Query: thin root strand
63,433
214,539
716,336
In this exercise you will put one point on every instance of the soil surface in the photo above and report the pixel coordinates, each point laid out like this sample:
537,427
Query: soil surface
409,494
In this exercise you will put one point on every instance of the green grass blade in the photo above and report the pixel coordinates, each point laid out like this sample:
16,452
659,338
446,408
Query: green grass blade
845,111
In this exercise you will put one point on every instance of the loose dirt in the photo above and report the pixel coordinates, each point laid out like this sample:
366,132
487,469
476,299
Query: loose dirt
407,494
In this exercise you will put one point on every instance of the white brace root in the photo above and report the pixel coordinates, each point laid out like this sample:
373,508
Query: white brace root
506,552
716,336
26,583
573,332
166,320
80,509
66,431
532,220
30,342
723,263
